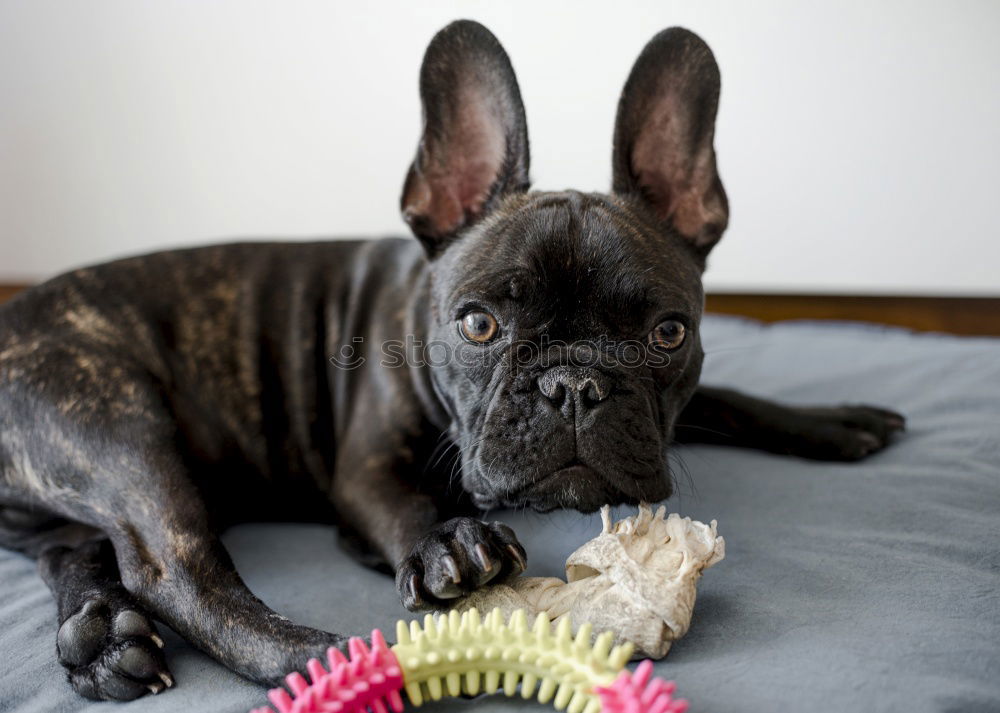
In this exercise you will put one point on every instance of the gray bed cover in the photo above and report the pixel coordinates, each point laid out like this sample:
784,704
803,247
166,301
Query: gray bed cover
867,587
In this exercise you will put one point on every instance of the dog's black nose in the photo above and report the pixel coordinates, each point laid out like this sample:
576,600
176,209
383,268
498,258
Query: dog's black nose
577,388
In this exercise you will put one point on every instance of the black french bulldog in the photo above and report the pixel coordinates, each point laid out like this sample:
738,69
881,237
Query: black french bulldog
148,403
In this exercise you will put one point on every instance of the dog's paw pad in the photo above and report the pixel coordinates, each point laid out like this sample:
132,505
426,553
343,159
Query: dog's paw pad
455,558
112,650
82,636
130,622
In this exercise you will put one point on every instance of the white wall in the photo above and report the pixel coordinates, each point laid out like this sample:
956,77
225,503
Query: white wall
859,141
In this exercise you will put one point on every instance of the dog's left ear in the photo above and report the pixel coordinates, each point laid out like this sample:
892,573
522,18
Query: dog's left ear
663,151
474,147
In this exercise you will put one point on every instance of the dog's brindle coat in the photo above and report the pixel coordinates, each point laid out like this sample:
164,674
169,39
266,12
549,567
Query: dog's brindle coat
147,403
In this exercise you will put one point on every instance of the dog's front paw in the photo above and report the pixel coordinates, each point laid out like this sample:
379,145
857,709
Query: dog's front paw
843,432
111,649
455,558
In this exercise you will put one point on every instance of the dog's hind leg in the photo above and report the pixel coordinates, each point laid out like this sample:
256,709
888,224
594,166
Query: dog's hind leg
180,571
106,642
111,457
174,564
171,565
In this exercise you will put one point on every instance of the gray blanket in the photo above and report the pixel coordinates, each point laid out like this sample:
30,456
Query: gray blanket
866,587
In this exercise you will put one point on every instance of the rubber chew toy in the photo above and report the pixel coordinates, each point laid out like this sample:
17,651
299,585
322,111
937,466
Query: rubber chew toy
457,654
638,579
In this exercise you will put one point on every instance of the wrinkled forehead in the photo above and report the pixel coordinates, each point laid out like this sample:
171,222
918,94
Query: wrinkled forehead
585,255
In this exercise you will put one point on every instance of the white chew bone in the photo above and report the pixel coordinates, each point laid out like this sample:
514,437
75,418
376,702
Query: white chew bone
637,579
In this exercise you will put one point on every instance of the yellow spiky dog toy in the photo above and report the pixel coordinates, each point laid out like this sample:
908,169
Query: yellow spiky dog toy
457,654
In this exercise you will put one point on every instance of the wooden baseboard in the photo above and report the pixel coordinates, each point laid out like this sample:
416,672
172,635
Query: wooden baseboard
8,291
954,315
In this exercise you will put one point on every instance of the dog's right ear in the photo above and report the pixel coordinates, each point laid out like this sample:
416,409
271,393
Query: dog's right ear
474,147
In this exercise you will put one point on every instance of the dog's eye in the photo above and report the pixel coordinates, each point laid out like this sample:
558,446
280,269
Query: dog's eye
479,327
667,335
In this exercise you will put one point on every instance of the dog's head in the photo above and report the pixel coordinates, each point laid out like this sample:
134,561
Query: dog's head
570,320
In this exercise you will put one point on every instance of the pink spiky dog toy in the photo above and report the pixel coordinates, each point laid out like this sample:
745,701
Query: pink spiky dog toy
639,692
455,654
369,680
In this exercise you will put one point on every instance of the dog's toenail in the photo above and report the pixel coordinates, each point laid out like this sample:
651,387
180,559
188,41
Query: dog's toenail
167,679
414,586
518,558
451,567
870,441
155,687
157,640
484,557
